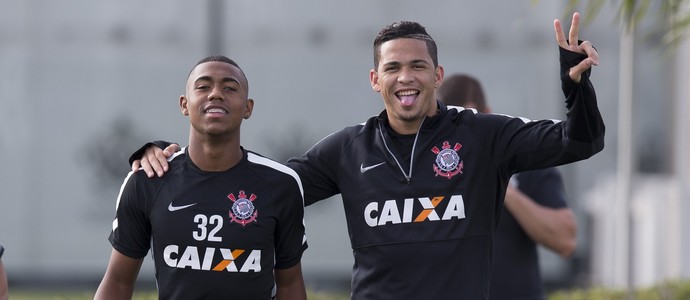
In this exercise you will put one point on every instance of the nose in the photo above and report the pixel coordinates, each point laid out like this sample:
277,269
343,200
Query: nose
216,93
405,75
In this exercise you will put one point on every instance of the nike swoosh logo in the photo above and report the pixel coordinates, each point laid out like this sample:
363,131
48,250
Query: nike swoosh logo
363,169
175,208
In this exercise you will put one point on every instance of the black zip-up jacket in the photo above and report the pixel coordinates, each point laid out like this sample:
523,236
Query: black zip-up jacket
422,228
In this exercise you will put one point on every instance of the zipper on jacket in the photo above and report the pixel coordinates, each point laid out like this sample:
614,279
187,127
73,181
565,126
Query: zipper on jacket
408,176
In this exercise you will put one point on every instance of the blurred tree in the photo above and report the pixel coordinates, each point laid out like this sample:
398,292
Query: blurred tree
107,162
673,16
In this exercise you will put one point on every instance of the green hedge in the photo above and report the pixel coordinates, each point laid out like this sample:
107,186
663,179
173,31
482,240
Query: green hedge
672,290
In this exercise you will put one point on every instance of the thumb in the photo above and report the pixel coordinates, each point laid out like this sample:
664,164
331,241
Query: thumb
576,71
136,165
171,149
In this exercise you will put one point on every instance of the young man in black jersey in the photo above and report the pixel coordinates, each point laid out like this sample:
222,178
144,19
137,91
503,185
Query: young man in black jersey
225,223
535,211
422,185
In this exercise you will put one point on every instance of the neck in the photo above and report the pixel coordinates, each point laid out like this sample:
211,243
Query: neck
214,154
404,127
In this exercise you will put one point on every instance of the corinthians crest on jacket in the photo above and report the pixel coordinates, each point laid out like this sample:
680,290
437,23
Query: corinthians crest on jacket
447,163
243,210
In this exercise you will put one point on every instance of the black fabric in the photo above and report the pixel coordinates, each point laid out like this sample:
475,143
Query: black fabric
213,235
515,272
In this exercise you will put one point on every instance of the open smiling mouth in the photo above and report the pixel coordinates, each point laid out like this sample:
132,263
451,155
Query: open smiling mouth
407,97
216,111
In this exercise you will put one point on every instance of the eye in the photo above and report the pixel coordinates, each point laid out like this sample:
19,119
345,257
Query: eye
390,68
230,88
202,87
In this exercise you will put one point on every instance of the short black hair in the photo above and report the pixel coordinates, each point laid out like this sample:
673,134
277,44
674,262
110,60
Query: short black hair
224,59
404,29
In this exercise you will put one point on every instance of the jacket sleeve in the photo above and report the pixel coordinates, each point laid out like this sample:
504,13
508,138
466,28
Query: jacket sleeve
318,168
584,125
521,144
140,152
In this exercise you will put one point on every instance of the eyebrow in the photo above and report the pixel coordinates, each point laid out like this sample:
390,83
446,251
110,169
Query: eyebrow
225,79
414,61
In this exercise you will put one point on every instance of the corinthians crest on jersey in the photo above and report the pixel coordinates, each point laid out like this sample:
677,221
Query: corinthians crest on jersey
447,163
243,210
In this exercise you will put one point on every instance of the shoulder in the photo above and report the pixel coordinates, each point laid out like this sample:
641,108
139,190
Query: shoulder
271,169
338,140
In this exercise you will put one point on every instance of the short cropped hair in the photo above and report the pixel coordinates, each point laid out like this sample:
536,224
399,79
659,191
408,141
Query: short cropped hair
224,59
404,29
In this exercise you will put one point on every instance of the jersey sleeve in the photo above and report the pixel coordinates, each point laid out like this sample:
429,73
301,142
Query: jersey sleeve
290,237
131,231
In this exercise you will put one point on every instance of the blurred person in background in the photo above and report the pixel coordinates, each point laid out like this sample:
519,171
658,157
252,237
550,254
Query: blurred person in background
226,223
535,212
4,290
422,184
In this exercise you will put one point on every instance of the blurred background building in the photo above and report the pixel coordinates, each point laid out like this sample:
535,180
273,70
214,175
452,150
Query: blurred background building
85,83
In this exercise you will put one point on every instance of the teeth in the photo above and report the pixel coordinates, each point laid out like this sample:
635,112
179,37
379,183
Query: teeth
407,93
215,110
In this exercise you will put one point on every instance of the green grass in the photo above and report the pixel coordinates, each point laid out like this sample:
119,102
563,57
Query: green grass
79,295
671,290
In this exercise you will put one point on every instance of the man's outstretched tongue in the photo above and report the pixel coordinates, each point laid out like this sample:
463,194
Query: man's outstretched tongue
407,100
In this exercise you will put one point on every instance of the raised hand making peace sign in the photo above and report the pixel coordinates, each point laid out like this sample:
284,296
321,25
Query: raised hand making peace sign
572,44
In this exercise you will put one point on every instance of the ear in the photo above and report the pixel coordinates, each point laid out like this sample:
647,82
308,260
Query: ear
439,76
248,108
374,79
183,105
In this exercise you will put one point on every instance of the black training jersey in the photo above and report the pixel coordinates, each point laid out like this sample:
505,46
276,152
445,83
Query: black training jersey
515,272
421,225
213,235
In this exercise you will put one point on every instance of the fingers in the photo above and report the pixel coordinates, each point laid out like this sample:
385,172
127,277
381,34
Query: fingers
154,161
560,37
574,29
576,71
571,42
151,161
159,161
591,52
591,60
146,165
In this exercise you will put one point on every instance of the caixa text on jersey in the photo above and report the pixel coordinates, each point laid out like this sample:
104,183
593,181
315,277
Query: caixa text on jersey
203,259
393,212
